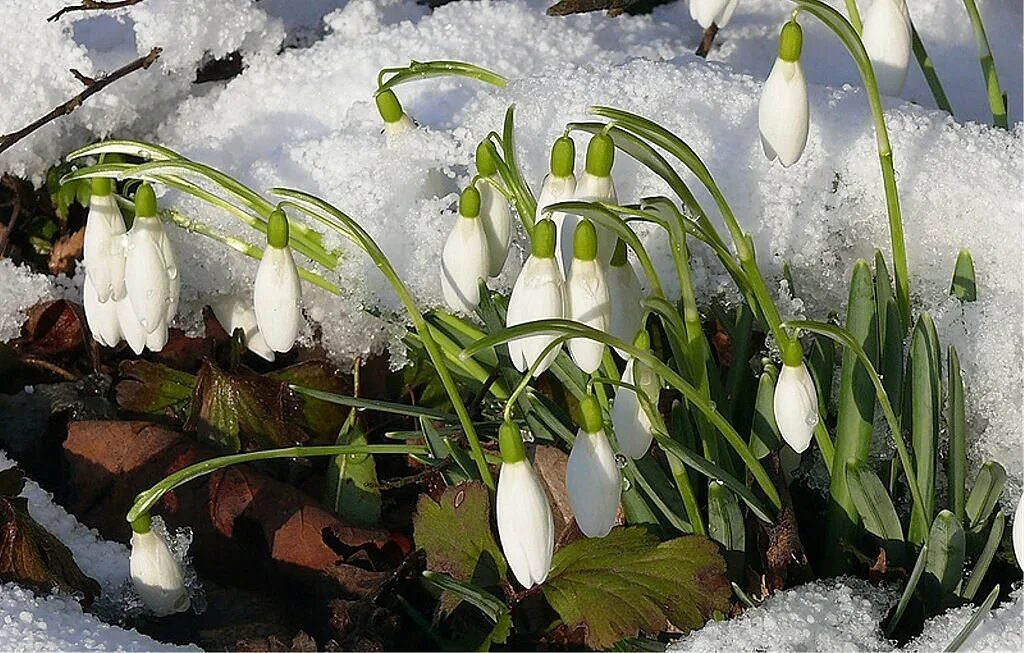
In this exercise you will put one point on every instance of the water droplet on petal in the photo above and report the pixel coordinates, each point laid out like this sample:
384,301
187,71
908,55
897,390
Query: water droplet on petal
527,435
812,420
621,461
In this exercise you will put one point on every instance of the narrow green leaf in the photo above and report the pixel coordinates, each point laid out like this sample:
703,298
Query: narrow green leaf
908,590
995,536
626,582
374,404
441,449
725,526
487,603
970,626
964,287
956,424
821,362
439,68
876,509
988,487
855,423
764,432
659,491
944,568
925,392
350,486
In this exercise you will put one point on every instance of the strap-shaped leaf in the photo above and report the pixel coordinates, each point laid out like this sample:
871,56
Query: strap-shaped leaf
924,370
725,526
945,564
956,424
908,590
995,536
988,487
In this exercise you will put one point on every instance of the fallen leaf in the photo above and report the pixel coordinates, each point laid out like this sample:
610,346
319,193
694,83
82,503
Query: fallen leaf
52,329
153,389
66,252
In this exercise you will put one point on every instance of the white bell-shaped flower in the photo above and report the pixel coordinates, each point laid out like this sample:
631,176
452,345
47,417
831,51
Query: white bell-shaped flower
626,297
148,272
104,242
592,476
234,312
595,185
277,292
526,528
1018,533
396,121
495,212
586,297
560,186
888,40
131,329
465,260
538,294
630,419
796,400
156,573
101,317
706,12
783,113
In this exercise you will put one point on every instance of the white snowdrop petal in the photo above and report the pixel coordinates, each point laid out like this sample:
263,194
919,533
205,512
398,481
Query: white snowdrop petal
588,302
157,575
146,278
555,190
626,296
103,248
632,426
131,329
594,483
538,294
277,298
706,12
591,188
525,524
496,219
397,128
235,312
796,406
157,338
1018,532
101,317
887,38
783,114
464,262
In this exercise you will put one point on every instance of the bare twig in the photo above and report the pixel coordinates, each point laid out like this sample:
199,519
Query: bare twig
97,85
567,7
93,5
52,368
16,207
707,41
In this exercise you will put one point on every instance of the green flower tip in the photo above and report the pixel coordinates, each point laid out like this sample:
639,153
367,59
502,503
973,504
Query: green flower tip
543,239
277,229
792,353
141,525
469,202
590,415
619,255
511,443
486,158
584,241
791,41
102,186
600,155
388,105
145,202
642,340
563,157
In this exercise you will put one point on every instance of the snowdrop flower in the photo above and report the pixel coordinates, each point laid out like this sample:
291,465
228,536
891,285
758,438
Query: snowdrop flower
396,121
559,186
525,525
632,425
150,268
1018,533
783,113
156,573
626,297
887,39
592,476
100,316
465,260
706,12
586,297
596,185
796,400
277,292
495,213
104,242
538,294
234,312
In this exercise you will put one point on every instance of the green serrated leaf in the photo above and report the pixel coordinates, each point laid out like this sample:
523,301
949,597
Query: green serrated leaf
627,583
455,533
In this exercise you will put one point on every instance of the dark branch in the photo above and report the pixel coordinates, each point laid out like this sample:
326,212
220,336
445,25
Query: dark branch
93,5
707,41
96,85
567,7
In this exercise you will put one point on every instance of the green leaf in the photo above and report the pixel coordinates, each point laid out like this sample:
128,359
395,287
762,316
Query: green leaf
440,68
725,526
988,487
627,583
455,533
764,432
995,536
488,604
956,422
908,591
925,374
876,509
964,286
350,486
976,619
154,389
945,563
318,414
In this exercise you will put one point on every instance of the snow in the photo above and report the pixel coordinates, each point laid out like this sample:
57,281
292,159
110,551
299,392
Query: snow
304,117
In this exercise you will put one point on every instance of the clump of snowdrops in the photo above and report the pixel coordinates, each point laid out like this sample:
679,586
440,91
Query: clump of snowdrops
667,433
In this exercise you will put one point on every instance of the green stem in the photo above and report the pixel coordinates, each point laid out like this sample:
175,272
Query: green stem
148,498
996,98
928,70
854,14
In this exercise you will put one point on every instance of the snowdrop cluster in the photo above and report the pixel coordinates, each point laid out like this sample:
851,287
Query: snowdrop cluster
131,284
155,571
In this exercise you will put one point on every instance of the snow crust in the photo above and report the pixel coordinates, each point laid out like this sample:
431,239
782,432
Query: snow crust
304,117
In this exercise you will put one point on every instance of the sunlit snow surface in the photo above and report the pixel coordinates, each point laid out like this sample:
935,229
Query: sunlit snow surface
304,118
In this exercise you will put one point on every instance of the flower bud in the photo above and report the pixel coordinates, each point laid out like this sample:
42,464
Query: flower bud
149,264
538,294
592,477
277,291
104,242
887,38
796,400
596,185
156,572
783,112
632,424
233,312
560,186
587,297
626,298
495,213
706,12
396,121
465,260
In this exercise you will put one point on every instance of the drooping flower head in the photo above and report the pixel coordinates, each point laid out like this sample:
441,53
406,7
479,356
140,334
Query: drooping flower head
525,524
465,260
587,298
783,113
277,292
538,294
630,419
234,312
592,476
495,213
560,186
151,272
796,400
596,185
104,242
156,573
887,37
396,121
626,297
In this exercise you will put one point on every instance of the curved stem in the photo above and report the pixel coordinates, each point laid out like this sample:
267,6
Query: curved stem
148,498
854,14
996,98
